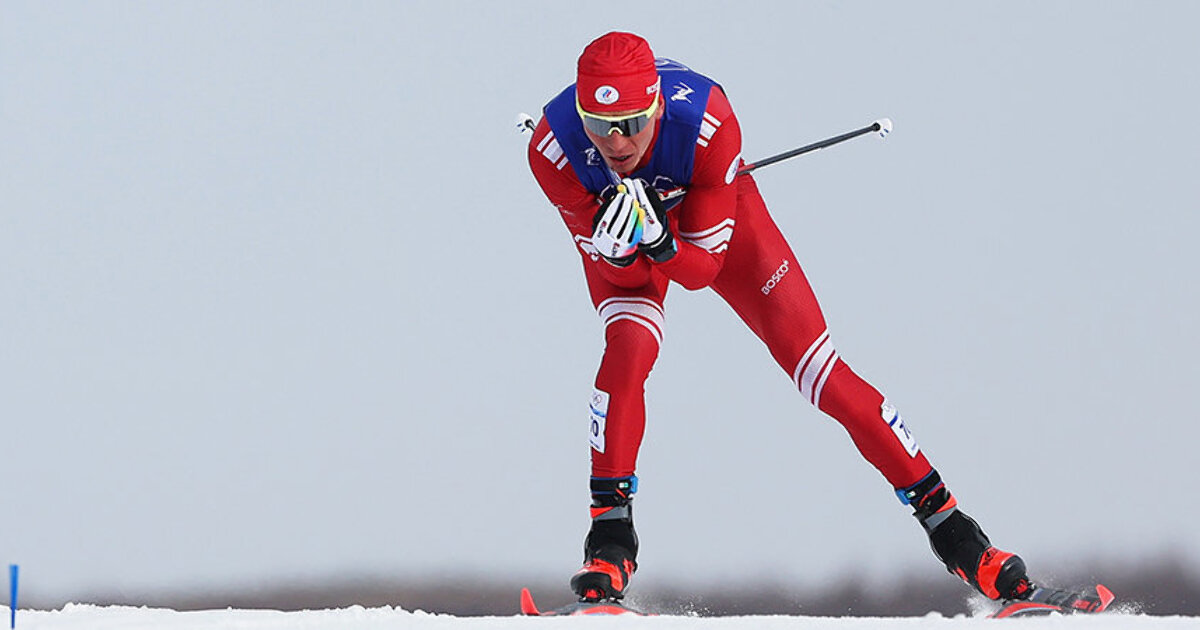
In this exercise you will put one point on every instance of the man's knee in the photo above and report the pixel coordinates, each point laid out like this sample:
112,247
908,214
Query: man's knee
630,348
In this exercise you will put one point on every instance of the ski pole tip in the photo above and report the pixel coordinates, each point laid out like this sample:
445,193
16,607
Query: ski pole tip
883,126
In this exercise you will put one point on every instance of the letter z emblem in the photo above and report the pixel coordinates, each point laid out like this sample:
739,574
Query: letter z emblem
681,93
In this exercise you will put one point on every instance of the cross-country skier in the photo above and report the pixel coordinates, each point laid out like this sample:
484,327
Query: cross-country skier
629,131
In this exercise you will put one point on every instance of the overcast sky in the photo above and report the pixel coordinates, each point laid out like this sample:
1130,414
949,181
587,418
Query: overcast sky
279,297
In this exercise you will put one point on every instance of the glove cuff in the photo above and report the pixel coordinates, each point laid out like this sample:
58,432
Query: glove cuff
661,250
622,262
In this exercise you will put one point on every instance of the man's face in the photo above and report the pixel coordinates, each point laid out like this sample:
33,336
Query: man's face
621,152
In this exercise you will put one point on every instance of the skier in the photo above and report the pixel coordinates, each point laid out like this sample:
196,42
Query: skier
631,131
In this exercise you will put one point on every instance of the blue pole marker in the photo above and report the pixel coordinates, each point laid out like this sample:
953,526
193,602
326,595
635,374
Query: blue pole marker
14,572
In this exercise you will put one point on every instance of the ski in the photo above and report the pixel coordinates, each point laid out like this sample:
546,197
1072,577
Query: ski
1043,601
582,607
1046,601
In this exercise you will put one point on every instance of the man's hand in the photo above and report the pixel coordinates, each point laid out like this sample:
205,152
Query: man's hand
657,243
617,228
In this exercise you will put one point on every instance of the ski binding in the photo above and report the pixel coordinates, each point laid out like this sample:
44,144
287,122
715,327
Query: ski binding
1046,601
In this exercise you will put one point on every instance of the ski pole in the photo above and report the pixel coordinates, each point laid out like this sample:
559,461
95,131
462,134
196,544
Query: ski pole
526,124
883,126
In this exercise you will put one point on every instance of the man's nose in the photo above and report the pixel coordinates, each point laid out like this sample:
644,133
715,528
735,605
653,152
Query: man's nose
616,141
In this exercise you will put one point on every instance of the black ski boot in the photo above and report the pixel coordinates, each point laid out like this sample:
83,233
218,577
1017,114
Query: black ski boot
961,545
610,549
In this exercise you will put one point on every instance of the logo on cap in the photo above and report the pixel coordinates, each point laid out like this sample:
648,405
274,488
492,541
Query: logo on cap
607,95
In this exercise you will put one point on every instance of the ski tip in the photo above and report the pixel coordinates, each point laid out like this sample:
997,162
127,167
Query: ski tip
1106,597
527,605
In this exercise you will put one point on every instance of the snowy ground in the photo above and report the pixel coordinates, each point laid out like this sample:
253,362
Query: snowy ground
86,617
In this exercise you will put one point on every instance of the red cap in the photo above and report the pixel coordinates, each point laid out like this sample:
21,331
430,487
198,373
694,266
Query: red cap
616,74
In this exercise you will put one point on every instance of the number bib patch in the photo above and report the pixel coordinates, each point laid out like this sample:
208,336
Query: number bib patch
597,419
893,420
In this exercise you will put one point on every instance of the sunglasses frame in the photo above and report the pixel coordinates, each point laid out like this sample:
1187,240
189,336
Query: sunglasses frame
624,124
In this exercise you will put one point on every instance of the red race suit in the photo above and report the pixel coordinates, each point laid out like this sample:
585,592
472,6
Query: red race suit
727,242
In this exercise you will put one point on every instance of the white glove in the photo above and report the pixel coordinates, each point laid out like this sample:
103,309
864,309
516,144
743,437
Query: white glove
652,229
658,244
617,229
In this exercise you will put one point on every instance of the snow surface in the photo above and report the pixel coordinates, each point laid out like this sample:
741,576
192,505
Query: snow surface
81,617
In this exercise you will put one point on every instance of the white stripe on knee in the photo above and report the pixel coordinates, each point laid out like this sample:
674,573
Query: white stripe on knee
642,311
